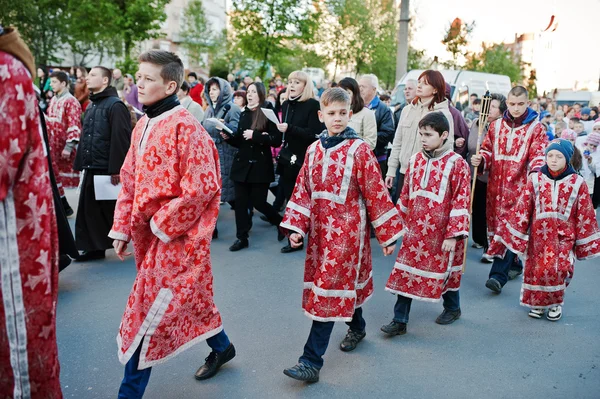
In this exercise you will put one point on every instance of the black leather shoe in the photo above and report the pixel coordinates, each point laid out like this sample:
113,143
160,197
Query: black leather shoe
91,255
265,219
214,361
352,339
394,328
215,234
494,285
448,316
303,372
67,208
238,244
288,248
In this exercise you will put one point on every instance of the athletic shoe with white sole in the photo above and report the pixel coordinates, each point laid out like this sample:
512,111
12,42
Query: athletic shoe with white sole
554,313
536,313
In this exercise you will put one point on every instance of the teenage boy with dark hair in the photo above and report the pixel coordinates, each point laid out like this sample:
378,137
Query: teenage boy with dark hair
434,207
168,206
513,148
338,196
64,130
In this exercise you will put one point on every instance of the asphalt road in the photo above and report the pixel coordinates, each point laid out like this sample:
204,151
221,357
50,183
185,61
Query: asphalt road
493,351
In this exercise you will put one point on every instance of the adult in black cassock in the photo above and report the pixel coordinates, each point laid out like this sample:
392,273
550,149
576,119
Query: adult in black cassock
102,149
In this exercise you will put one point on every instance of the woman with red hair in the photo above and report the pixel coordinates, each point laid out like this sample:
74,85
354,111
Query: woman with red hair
431,88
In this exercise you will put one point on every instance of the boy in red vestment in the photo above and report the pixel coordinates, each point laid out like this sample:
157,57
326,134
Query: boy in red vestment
553,223
513,148
339,194
168,206
434,206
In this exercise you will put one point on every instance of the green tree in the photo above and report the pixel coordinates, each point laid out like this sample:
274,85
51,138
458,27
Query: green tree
197,37
264,28
456,40
495,59
41,24
136,21
384,44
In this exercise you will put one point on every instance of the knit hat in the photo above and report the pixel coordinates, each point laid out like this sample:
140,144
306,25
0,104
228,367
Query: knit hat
563,146
593,138
568,134
596,122
586,111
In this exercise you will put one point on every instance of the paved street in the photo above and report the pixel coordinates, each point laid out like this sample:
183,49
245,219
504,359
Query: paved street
493,351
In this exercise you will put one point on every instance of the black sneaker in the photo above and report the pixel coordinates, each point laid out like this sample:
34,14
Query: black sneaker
448,316
494,285
514,273
303,372
215,234
288,248
394,328
352,339
213,362
238,244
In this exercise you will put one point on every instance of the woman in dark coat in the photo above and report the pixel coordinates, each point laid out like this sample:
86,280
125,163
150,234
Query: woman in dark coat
221,106
300,127
252,168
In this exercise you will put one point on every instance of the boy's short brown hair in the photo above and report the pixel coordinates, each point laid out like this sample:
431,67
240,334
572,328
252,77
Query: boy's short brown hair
172,67
335,95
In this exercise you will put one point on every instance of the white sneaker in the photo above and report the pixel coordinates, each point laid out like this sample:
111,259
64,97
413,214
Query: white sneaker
536,313
475,245
554,313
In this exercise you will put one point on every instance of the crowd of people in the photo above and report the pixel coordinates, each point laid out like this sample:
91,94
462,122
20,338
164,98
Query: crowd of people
345,164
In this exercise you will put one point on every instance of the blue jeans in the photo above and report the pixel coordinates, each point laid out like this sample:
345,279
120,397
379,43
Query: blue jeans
500,267
135,381
402,306
318,339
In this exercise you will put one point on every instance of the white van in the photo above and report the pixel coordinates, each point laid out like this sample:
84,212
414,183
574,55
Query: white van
462,83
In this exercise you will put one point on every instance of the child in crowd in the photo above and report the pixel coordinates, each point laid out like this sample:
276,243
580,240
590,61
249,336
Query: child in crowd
554,222
591,159
339,195
579,128
558,128
577,158
572,122
434,206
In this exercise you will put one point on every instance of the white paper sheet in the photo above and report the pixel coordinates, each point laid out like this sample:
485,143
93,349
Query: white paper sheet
104,189
270,115
220,125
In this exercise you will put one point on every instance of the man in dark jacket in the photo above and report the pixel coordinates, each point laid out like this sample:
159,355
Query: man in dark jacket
104,143
368,85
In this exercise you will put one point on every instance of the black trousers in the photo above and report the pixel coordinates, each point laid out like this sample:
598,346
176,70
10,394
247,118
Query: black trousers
479,221
94,218
255,194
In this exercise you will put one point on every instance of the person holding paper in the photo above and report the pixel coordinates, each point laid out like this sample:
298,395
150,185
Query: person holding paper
220,107
300,127
252,168
102,149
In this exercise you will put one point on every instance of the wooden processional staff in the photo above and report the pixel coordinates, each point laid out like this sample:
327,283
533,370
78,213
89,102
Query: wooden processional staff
483,117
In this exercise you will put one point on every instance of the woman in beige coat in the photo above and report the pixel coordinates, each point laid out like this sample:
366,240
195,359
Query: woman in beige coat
431,88
363,119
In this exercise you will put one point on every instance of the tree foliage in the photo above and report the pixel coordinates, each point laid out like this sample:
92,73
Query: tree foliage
86,27
265,28
41,24
495,59
196,34
456,40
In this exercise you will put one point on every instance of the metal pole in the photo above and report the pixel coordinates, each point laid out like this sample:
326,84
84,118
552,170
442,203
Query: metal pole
402,54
